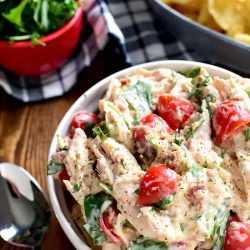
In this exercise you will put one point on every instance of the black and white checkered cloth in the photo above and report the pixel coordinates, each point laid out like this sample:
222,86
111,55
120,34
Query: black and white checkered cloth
133,28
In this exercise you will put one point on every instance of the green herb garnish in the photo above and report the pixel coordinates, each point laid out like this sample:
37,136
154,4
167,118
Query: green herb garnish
181,226
135,123
139,97
137,191
222,153
164,202
189,131
123,163
88,129
54,167
98,132
77,187
93,205
128,225
146,243
195,171
191,73
247,134
177,140
106,188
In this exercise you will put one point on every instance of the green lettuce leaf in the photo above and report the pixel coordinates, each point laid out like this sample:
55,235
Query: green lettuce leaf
94,205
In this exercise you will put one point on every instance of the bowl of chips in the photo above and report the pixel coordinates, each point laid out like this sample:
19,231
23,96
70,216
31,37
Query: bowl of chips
217,29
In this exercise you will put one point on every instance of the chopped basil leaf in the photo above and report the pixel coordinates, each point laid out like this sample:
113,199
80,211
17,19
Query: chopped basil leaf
88,129
191,73
189,131
222,153
217,219
135,123
77,187
98,132
54,167
248,92
139,97
106,188
123,163
110,129
164,202
220,230
181,226
93,208
137,191
128,225
206,103
195,171
247,134
114,108
196,90
146,243
176,139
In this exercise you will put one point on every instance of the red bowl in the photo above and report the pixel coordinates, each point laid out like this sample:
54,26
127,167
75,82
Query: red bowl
24,59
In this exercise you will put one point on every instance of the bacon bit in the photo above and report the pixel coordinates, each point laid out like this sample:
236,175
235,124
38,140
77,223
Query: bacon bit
195,194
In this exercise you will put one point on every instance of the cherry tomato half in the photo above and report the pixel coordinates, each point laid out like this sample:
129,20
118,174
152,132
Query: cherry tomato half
158,183
107,221
175,111
153,120
229,118
237,236
80,120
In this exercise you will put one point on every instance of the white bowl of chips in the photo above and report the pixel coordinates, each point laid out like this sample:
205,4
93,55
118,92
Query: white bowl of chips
59,197
222,37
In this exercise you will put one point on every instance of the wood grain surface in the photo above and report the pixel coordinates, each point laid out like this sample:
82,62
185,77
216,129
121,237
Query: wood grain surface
26,131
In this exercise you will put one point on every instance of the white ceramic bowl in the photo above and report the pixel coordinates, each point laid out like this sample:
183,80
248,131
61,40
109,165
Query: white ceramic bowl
89,101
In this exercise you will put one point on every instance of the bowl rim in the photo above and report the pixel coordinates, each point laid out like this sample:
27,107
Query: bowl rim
67,228
51,36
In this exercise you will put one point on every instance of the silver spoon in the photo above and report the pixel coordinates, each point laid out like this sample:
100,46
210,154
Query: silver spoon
24,209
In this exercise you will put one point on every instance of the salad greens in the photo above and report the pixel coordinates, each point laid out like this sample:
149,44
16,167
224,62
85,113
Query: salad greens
139,97
54,167
31,19
148,244
98,132
165,202
94,205
217,219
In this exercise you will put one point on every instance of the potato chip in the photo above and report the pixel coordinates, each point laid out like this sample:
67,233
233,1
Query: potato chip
206,19
186,5
243,37
234,29
227,12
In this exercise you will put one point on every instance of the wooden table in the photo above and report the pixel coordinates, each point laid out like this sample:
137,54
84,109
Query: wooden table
26,131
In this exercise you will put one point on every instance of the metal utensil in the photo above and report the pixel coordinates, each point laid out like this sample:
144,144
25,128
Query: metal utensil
24,209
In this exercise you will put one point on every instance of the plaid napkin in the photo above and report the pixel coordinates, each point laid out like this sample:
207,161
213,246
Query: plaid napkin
145,40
